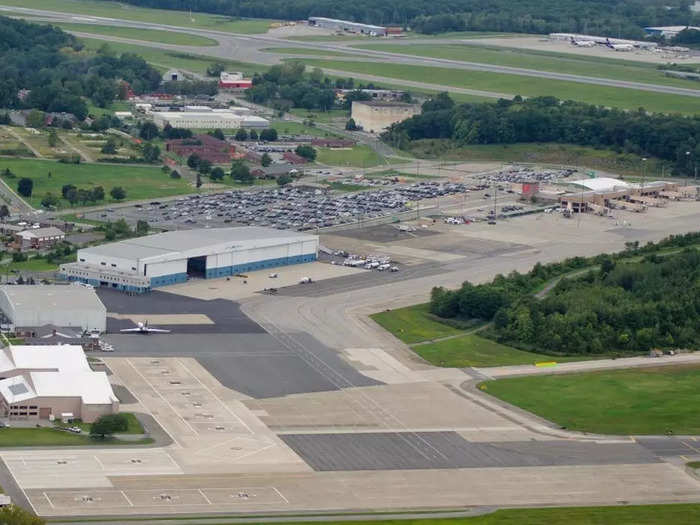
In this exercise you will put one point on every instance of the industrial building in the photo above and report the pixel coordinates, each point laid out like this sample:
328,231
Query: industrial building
38,238
234,81
669,31
45,382
347,26
138,265
376,116
31,306
208,119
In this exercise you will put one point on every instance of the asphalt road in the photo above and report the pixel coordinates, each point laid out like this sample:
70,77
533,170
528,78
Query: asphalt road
247,48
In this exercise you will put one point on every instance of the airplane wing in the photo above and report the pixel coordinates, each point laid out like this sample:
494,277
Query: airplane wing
158,330
130,330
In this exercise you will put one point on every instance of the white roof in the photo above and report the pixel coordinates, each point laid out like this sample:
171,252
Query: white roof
17,389
50,231
43,357
92,387
601,184
51,297
172,245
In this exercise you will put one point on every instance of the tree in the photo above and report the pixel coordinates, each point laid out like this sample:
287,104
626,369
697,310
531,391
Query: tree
306,151
241,173
109,424
283,180
49,200
65,189
216,69
350,125
268,135
253,135
204,166
118,193
198,182
175,174
72,196
109,147
142,227
148,130
151,152
98,193
25,187
36,119
193,161
217,174
15,515
4,211
241,135
52,139
217,133
265,160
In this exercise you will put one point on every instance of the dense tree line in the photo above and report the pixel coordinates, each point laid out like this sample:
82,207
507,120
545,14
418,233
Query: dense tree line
621,303
44,60
547,119
624,18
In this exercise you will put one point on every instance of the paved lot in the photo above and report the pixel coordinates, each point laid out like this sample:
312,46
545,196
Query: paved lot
440,450
672,446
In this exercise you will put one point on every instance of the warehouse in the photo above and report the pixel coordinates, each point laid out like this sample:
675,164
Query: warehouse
347,26
29,306
41,382
207,119
138,265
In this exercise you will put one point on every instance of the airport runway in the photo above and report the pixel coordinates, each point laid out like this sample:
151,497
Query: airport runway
247,48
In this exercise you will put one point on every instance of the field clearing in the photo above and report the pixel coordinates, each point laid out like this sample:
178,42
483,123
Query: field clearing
544,153
630,402
30,265
360,156
140,182
170,59
539,60
149,35
290,127
520,85
320,116
412,324
141,14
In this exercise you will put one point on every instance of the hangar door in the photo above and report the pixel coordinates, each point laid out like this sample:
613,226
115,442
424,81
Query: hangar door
197,266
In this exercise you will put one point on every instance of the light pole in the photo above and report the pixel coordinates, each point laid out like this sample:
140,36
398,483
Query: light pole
695,167
644,172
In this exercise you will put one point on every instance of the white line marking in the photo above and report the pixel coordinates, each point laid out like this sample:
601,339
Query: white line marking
204,496
281,495
49,500
127,498
99,463
21,488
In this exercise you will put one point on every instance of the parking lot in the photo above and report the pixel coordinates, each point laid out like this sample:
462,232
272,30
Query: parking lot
296,208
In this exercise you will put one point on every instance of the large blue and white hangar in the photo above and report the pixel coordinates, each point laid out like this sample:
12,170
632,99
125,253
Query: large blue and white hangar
140,264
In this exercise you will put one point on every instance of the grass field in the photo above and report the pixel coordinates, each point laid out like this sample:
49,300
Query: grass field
30,265
49,437
640,401
360,156
139,14
149,35
413,325
678,514
547,153
134,426
540,60
290,127
321,116
307,51
164,59
522,85
140,182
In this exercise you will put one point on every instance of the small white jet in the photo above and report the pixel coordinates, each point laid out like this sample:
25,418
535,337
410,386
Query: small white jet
143,328
583,43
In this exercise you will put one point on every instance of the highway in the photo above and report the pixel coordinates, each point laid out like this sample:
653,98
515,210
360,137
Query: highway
247,48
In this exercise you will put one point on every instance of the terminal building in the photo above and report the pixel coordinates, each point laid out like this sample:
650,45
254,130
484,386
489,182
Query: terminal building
141,264
47,382
25,307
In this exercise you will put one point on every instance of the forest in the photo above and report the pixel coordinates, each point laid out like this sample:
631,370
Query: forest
619,18
548,119
635,300
47,62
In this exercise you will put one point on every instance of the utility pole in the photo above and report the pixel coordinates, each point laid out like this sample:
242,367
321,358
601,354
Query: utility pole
644,171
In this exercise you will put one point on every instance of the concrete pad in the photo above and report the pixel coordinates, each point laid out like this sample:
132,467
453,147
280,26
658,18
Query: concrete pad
234,289
379,365
166,319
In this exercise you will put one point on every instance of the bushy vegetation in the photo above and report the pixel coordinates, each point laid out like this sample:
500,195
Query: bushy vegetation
631,301
624,18
43,59
548,119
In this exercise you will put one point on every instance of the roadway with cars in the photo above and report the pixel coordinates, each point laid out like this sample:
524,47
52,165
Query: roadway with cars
247,48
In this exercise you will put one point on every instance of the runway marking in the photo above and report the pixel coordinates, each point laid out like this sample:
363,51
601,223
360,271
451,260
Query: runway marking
691,447
99,463
226,407
47,499
280,495
161,396
21,488
127,498
205,496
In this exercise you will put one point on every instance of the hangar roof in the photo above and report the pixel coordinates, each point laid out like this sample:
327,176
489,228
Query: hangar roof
601,183
176,242
53,297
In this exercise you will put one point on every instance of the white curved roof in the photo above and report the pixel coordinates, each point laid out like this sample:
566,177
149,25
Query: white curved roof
601,184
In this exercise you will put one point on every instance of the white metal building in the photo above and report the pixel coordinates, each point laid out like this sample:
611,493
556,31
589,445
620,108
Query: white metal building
37,382
138,265
207,119
25,306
